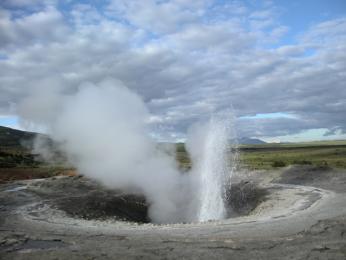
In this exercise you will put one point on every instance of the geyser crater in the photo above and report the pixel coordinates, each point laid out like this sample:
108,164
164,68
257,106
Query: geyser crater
83,198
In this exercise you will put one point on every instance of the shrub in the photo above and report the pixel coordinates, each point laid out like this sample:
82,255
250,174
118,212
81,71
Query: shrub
302,162
278,164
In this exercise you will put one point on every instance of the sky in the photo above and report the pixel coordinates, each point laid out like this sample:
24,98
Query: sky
279,66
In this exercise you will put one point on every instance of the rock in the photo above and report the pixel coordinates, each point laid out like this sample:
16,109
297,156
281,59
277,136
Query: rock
243,197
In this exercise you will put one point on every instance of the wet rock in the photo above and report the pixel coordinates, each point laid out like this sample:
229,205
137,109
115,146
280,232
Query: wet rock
11,241
243,197
105,204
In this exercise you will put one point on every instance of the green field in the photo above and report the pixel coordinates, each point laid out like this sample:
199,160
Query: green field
270,156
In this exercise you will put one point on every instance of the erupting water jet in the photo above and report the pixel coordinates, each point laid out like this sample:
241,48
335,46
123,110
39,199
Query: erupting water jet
213,165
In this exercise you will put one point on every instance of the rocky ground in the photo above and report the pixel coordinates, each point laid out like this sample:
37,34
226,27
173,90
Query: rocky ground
299,213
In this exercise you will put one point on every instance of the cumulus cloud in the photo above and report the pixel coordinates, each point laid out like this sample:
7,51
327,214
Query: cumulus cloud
182,57
42,26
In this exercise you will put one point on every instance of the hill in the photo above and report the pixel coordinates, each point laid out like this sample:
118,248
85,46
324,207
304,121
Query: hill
247,140
13,138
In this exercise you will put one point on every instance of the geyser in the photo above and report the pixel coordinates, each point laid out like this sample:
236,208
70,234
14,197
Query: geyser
211,166
102,128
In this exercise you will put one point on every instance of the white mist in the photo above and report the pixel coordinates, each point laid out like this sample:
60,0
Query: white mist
102,129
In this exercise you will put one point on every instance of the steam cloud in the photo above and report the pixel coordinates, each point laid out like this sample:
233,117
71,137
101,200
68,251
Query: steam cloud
103,130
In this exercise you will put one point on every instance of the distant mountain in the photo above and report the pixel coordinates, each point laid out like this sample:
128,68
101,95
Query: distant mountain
247,140
14,138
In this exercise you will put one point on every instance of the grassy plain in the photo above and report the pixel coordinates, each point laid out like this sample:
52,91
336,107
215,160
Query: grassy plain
17,163
269,156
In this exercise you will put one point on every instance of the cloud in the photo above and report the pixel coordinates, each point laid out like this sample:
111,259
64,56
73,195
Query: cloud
184,58
158,16
37,28
21,3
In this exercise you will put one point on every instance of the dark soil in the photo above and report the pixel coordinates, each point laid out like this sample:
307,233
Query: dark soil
103,205
243,197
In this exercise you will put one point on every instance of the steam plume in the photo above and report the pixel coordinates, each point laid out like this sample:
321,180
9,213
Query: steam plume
102,129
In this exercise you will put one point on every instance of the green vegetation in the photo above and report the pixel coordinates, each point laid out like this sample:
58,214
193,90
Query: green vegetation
16,158
268,156
17,161
278,164
271,156
182,156
19,164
